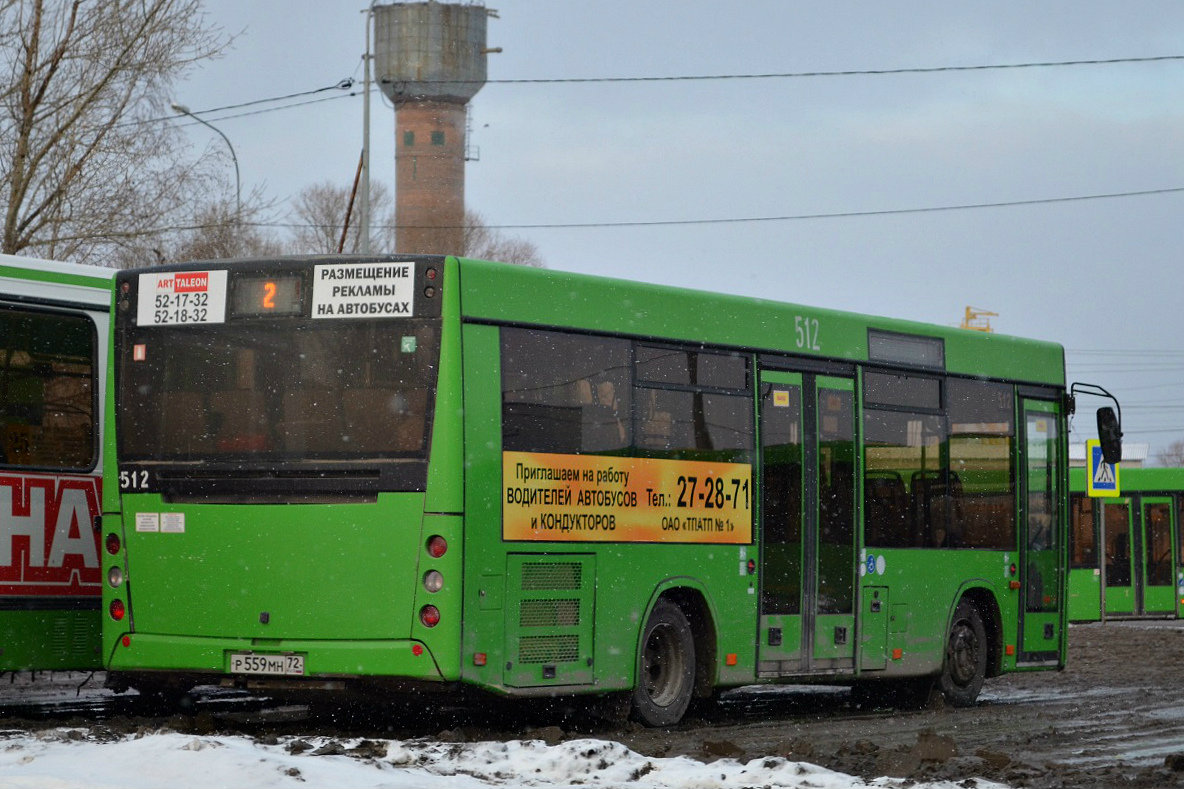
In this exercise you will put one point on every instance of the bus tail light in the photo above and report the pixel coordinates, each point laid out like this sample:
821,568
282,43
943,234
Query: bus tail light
429,615
437,546
116,610
115,577
433,581
113,543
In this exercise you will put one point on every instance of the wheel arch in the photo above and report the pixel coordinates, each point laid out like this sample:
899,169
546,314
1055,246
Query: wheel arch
983,598
694,602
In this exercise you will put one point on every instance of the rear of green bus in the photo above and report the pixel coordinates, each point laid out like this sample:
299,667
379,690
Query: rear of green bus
287,448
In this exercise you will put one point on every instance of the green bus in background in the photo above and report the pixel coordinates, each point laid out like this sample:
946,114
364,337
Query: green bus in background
53,363
428,472
1141,567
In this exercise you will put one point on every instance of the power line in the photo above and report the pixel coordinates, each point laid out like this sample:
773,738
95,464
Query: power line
840,73
348,83
342,84
265,110
1080,369
842,214
732,220
1171,352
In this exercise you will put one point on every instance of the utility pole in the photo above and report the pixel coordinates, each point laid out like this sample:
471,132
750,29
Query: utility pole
364,203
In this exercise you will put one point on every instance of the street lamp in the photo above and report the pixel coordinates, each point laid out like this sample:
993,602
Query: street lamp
238,189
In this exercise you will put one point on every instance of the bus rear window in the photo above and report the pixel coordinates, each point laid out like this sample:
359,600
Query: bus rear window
47,377
278,391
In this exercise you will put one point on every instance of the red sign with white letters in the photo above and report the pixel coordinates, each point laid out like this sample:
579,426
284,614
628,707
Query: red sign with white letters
48,545
191,282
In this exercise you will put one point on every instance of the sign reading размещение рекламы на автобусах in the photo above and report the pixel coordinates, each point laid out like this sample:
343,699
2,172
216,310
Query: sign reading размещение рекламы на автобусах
364,290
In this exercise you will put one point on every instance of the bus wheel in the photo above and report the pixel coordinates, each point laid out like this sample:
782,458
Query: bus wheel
965,665
665,668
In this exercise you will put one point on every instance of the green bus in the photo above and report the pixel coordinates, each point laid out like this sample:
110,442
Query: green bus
1139,573
53,363
435,473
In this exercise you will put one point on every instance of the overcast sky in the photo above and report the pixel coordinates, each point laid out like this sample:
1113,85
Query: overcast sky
1100,276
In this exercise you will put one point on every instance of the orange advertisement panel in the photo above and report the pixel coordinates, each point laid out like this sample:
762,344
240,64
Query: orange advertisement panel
592,498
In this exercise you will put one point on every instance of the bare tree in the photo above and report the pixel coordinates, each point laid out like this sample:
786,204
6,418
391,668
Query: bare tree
1172,455
218,230
482,241
86,166
320,213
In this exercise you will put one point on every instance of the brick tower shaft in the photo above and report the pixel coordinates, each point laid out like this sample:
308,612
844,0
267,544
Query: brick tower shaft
430,177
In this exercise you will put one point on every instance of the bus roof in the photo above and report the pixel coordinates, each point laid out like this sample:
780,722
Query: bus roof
531,296
24,277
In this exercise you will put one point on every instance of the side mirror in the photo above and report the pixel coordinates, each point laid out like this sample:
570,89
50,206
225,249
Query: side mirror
1109,435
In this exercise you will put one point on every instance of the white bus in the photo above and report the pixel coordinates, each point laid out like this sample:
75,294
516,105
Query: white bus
53,351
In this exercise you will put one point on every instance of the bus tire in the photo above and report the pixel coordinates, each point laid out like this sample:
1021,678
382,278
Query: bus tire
965,664
665,668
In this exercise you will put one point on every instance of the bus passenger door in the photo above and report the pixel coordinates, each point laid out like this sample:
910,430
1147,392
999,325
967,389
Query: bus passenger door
780,636
833,543
1085,576
807,617
1042,584
1118,596
1159,583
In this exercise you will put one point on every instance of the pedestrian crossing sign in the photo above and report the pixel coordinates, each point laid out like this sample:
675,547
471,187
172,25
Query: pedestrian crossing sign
1102,477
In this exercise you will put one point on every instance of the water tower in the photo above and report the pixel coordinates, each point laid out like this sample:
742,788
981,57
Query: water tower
430,60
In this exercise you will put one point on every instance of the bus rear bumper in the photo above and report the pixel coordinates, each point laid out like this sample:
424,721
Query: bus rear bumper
324,660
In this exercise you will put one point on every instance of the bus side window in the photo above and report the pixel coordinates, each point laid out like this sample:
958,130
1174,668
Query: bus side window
18,444
937,502
657,426
887,509
602,416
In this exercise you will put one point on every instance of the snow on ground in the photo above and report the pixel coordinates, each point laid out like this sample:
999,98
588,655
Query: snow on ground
97,758
65,758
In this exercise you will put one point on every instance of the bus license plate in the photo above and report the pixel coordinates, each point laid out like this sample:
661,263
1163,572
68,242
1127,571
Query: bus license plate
274,665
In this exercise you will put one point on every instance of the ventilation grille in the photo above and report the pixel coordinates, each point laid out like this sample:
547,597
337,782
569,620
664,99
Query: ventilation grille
59,637
548,649
549,613
84,641
551,575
